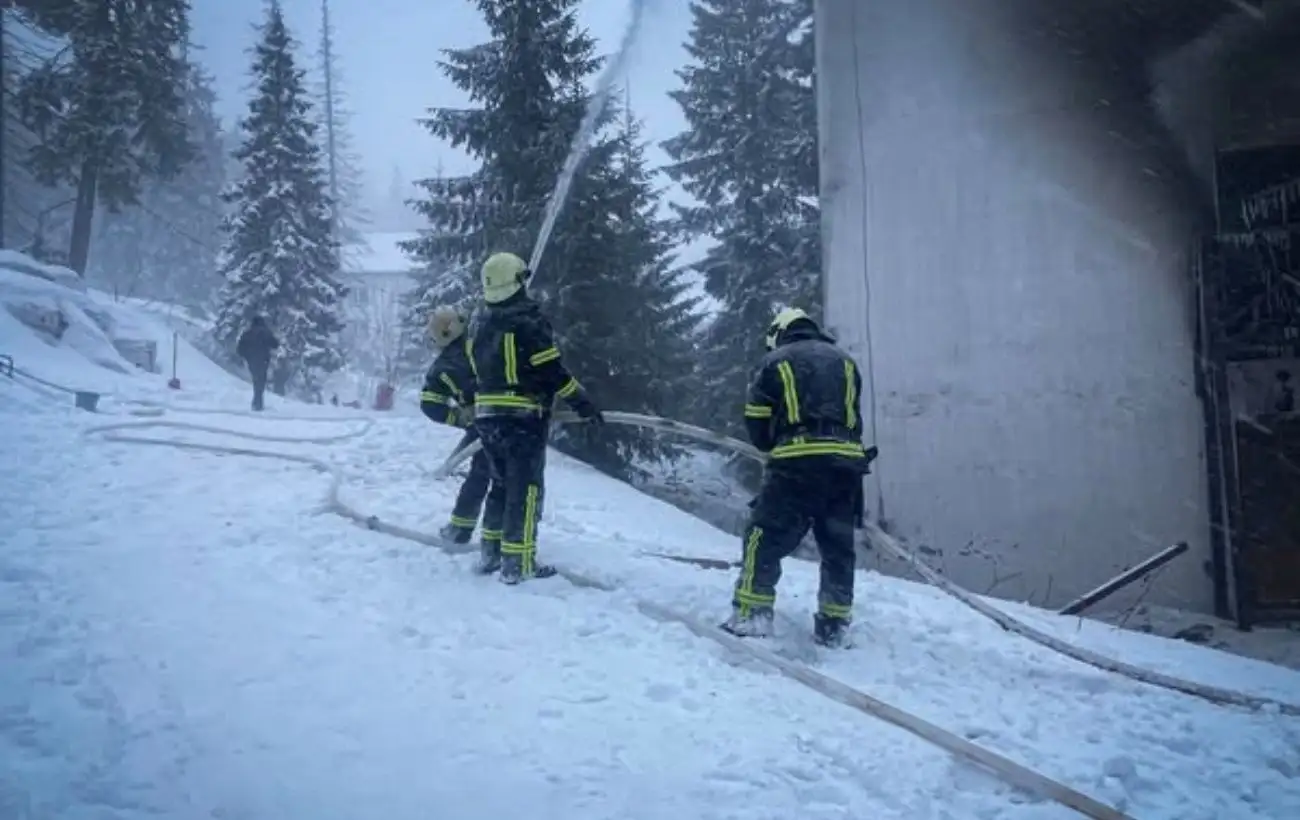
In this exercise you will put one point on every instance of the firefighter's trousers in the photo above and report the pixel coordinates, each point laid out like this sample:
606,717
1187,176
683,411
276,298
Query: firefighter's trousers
798,494
516,455
469,500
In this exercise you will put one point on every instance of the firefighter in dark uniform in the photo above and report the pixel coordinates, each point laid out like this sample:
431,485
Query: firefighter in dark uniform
448,398
520,375
802,411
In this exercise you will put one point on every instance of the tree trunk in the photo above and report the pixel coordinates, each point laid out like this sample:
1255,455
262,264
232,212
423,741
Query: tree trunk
83,217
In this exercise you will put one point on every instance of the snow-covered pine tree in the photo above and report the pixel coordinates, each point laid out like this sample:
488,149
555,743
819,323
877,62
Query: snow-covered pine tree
55,17
749,159
520,131
439,281
623,309
279,259
347,185
111,115
165,246
605,280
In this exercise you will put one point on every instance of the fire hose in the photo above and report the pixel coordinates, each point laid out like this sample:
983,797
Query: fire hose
879,538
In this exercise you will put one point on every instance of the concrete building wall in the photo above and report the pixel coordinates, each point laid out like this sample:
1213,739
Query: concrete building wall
1007,257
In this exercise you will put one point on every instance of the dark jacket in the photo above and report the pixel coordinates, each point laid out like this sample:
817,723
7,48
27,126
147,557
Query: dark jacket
256,343
449,387
517,364
803,401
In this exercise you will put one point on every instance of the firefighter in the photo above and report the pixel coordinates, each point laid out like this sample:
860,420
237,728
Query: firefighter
520,374
802,410
448,398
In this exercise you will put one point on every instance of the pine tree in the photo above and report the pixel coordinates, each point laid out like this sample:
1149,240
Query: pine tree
347,186
749,159
280,260
56,17
111,115
165,247
524,81
626,306
527,84
620,307
605,280
440,281
29,208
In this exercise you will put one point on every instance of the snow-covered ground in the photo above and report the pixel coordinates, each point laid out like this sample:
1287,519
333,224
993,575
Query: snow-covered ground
85,357
189,635
1277,643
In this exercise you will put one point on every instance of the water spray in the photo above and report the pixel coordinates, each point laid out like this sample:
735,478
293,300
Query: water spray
581,140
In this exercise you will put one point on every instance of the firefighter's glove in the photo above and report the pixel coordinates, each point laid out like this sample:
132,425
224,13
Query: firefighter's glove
589,412
871,453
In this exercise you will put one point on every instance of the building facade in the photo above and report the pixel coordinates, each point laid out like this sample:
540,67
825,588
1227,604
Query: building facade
1010,235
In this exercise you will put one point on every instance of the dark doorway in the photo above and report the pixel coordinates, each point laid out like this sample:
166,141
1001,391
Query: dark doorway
1250,289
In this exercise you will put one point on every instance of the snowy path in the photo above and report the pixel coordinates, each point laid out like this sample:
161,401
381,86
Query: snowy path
185,637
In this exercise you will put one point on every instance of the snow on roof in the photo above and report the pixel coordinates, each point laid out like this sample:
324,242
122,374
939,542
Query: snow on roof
382,253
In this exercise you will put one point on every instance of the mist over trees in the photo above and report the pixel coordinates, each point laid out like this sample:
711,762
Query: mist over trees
150,195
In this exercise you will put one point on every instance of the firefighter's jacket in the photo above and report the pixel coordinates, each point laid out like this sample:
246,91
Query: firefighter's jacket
517,365
803,401
449,387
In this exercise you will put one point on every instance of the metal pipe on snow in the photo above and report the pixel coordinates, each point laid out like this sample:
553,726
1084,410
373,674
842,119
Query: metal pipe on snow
1128,576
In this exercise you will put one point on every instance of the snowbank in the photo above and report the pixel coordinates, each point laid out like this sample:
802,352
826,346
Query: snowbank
59,331
22,263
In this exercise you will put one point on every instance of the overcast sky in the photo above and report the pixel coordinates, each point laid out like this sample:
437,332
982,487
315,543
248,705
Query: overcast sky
389,49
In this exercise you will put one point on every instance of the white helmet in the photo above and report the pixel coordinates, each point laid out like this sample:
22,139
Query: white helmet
503,275
446,325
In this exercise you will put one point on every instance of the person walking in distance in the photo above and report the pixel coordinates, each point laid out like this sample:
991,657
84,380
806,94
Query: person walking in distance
448,398
520,374
256,346
802,410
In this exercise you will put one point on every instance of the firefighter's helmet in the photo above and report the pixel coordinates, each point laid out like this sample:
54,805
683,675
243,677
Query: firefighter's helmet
446,325
503,275
783,322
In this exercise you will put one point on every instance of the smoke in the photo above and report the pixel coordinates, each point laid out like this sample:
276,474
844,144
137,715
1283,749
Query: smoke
582,140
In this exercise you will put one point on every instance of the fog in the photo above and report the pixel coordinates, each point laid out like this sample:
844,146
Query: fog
388,52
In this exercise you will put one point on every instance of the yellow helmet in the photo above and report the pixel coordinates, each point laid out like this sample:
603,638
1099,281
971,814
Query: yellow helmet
446,325
503,276
783,320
